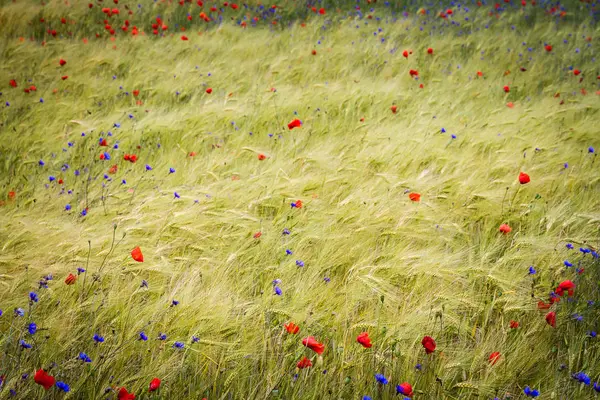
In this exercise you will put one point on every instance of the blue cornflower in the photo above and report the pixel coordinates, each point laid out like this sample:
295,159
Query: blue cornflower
19,312
84,357
130,116
381,379
566,165
84,212
162,336
578,317
597,387
453,136
179,345
567,264
41,163
288,252
443,130
80,270
585,251
327,279
176,195
106,156
595,254
286,231
366,398
532,270
76,172
1,312
51,178
300,263
174,303
97,338
569,246
116,125
32,328
123,182
33,297
143,336
24,344
418,367
116,146
148,168
63,386
531,392
144,283
590,149
171,170
278,291
41,100
582,378
68,207
592,334
195,339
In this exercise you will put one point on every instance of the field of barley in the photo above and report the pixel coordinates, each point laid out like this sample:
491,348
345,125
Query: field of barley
299,200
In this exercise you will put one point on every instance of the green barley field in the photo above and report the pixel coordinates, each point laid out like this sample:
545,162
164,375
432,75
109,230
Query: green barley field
295,175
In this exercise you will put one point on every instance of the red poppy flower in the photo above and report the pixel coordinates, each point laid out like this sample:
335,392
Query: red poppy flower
479,73
413,72
548,47
298,203
103,142
112,169
449,12
322,11
314,52
414,196
551,319
62,62
124,395
567,286
429,344
292,328
64,77
506,89
132,158
12,83
136,93
524,178
406,389
126,157
312,344
494,357
394,108
183,37
296,123
261,156
137,254
257,235
576,72
70,279
41,377
364,340
154,385
514,324
430,51
102,156
543,306
304,363
405,53
192,154
234,6
11,195
209,90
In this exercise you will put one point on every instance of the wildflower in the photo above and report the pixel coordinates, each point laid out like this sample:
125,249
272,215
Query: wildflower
292,328
300,263
171,170
137,255
429,344
261,156
505,229
148,168
80,270
179,345
524,178
506,89
124,395
286,231
414,197
551,319
582,378
429,50
174,303
19,312
85,358
364,340
494,357
591,150
567,286
176,195
68,207
405,389
195,339
33,297
381,379
98,339
278,291
70,279
567,264
32,328
297,204
592,334
162,336
24,344
154,385
597,387
144,283
257,235
312,344
531,392
63,386
394,108
548,48
62,62
532,270
569,246
304,363
143,336
209,90
288,252
41,377
514,324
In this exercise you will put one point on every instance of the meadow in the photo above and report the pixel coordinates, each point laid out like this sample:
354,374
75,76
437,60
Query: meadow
323,200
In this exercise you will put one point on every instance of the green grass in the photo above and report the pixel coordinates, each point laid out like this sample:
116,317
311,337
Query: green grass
398,269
